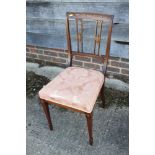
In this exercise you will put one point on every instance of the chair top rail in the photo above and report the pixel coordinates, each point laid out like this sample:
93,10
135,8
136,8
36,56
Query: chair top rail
92,16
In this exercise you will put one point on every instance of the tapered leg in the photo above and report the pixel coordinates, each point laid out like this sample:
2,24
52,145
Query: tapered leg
89,117
47,113
103,96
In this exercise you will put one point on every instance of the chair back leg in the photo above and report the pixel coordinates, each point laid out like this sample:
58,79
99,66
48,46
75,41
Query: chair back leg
89,117
47,113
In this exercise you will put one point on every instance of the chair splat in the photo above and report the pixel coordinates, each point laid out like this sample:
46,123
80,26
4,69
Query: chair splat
97,39
79,35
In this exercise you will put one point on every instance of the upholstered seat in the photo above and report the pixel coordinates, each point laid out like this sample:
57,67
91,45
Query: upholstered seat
75,87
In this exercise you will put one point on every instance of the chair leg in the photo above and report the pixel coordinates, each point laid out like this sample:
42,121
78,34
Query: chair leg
89,117
103,96
47,113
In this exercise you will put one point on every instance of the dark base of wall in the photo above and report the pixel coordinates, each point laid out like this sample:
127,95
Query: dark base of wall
117,67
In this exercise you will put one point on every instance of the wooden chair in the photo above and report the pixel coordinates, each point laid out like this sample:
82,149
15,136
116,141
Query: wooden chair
77,88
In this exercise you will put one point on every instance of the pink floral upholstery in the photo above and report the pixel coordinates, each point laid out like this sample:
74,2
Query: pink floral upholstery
75,87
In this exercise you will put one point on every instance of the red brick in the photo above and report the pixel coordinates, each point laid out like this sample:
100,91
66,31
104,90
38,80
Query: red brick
40,51
28,50
58,60
119,64
29,59
124,71
63,55
50,53
77,63
33,50
124,60
97,60
113,69
30,55
83,58
55,50
91,65
43,57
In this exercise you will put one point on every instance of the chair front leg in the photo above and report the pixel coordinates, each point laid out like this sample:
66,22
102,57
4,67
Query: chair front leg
47,113
89,117
103,96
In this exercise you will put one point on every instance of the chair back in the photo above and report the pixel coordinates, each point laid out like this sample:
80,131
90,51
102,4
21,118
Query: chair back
81,41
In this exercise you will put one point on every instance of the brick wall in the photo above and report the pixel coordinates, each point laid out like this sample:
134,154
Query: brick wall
48,56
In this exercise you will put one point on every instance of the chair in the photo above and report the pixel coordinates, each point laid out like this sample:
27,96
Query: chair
77,88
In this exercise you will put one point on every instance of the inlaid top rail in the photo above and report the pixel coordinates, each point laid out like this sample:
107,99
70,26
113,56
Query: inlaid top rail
92,16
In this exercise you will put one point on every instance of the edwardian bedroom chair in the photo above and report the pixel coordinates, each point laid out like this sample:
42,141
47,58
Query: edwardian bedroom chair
77,88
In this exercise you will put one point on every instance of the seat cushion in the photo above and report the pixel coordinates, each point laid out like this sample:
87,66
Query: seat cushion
75,87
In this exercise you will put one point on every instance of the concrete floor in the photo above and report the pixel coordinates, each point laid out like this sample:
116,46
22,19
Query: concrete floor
70,137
